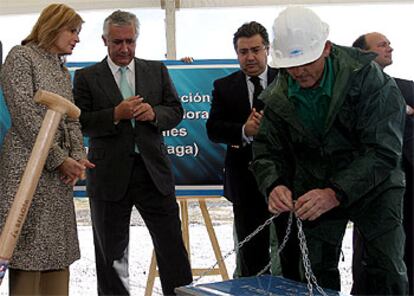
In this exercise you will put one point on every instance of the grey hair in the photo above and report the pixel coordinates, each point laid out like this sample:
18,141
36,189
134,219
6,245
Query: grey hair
121,18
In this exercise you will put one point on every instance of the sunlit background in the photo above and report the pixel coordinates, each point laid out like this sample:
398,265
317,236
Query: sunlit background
207,32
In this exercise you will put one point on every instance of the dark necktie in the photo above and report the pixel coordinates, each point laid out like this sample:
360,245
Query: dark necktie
259,105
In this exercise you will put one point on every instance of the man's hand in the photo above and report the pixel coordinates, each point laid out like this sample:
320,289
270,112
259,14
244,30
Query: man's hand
409,110
126,109
280,200
314,203
251,127
187,60
144,112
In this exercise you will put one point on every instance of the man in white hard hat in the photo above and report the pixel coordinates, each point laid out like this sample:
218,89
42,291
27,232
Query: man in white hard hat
234,119
379,43
329,149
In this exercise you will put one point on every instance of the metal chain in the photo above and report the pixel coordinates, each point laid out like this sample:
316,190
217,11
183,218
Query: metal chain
282,245
236,248
310,277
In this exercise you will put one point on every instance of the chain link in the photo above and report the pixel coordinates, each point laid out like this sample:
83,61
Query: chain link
236,248
310,277
282,245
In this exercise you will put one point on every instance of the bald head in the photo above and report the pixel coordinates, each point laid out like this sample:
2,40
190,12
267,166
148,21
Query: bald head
379,44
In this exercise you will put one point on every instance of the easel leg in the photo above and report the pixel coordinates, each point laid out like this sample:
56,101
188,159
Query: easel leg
213,240
151,276
184,226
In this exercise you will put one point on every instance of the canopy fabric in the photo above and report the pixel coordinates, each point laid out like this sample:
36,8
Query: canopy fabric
10,7
230,3
35,6
31,6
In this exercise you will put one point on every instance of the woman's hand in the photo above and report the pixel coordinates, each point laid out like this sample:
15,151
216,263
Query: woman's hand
87,164
71,170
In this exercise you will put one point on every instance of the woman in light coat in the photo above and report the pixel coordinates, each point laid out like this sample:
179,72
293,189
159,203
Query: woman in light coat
48,243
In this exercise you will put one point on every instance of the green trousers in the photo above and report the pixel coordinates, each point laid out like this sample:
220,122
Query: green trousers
383,273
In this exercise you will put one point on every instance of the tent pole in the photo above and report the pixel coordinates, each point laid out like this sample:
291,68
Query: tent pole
170,8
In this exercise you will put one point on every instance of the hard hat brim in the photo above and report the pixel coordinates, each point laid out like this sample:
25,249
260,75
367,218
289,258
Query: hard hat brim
300,60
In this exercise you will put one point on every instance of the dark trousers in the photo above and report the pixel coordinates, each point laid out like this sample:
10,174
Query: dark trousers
255,254
290,255
250,211
110,221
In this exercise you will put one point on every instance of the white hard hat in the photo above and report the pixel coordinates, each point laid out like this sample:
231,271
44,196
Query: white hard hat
300,37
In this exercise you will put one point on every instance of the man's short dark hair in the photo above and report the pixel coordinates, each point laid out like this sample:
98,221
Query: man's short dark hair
361,43
249,30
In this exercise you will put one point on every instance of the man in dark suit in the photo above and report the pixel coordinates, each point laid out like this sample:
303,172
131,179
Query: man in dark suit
234,120
126,103
378,43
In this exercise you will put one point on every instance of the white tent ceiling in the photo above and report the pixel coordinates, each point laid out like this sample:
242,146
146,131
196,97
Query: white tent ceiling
8,7
32,6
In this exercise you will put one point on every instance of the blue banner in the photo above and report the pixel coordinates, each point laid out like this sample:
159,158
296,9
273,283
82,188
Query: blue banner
4,118
197,162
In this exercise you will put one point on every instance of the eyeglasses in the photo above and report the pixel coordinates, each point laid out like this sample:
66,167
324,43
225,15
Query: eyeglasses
254,50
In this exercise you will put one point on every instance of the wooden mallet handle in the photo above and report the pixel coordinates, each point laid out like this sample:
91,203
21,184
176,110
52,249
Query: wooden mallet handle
57,106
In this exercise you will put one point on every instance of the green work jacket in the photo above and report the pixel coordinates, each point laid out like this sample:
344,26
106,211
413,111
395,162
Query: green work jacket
358,153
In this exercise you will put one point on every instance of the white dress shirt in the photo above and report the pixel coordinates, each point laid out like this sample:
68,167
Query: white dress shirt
117,74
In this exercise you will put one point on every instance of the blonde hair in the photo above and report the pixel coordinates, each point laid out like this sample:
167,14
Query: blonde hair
49,24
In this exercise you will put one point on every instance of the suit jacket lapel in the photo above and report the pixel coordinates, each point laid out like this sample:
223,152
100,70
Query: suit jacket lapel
271,75
140,74
107,82
241,94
